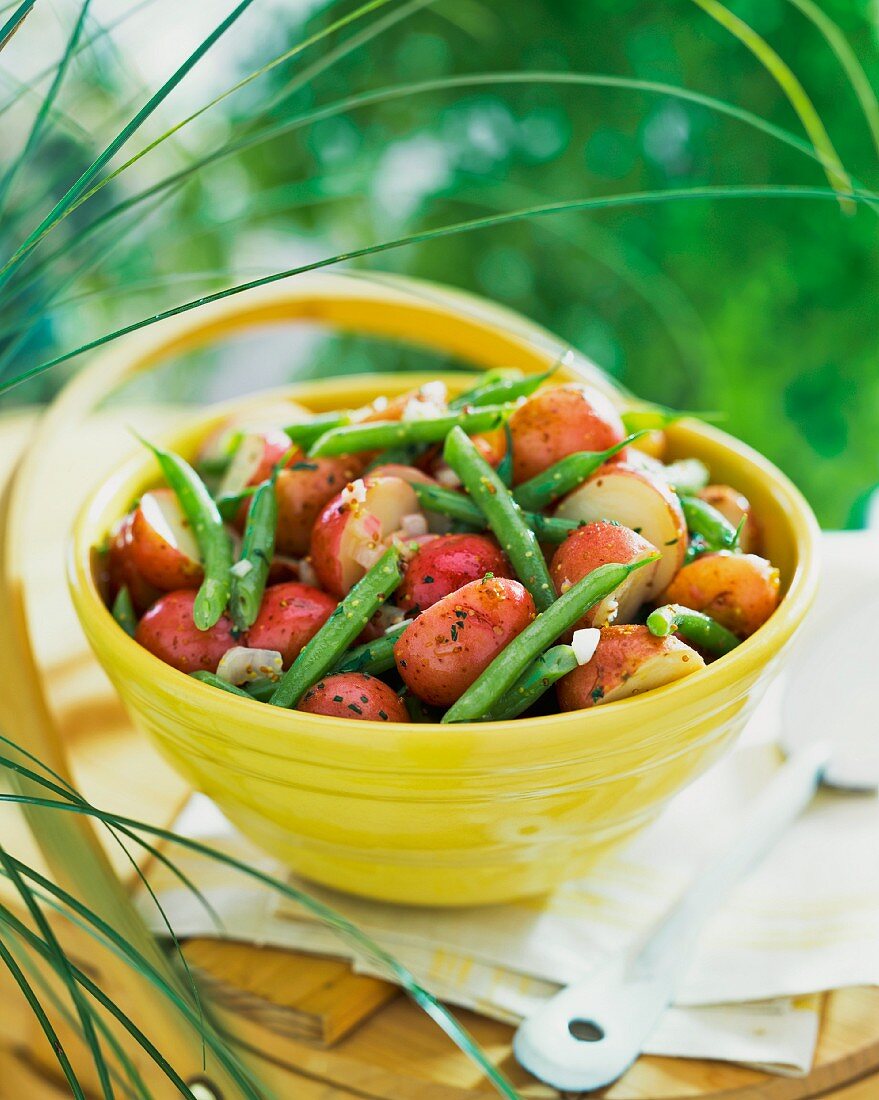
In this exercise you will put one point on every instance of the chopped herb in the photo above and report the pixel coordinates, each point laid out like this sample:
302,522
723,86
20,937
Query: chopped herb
338,699
383,715
427,580
597,694
355,708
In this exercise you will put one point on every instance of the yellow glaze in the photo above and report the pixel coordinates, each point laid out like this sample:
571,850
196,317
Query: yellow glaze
449,815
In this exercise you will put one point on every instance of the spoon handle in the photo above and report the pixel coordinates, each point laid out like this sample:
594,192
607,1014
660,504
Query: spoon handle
590,1033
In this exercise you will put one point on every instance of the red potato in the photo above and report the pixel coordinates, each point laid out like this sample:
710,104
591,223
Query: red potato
302,490
349,534
410,474
735,507
162,546
559,421
601,543
122,571
641,502
445,564
629,660
491,445
289,616
168,631
740,591
354,695
451,643
255,457
260,416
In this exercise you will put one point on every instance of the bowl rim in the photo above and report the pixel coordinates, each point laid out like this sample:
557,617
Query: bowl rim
755,652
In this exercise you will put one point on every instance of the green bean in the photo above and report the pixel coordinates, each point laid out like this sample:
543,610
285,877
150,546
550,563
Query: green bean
261,690
687,475
382,434
694,626
214,544
565,475
340,630
537,678
448,502
488,379
503,514
306,432
123,611
213,680
373,657
229,503
257,551
495,681
505,466
418,710
502,389
710,525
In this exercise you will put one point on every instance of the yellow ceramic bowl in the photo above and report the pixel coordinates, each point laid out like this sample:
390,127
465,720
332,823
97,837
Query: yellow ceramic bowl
449,815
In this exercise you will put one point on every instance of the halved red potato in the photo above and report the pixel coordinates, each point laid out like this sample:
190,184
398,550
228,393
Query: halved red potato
302,490
641,502
260,416
559,421
445,564
629,660
122,571
349,534
162,544
255,457
289,616
168,631
411,474
740,591
735,507
354,695
601,543
451,643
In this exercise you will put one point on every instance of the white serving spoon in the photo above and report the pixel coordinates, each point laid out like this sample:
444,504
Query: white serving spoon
590,1033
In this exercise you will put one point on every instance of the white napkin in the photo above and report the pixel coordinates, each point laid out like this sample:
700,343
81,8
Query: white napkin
802,922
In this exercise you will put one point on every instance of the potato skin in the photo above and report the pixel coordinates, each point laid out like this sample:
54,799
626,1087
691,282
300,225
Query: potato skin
451,643
356,696
169,633
122,571
290,615
559,421
735,506
302,490
444,565
740,591
158,562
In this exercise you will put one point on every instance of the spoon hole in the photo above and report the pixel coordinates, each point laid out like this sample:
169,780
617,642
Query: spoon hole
587,1031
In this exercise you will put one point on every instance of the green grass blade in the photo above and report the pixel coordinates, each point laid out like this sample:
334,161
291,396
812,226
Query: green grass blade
605,202
796,94
62,967
848,59
15,21
36,1007
46,106
90,173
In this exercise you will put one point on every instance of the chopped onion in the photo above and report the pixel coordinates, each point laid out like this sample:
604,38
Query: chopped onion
394,627
413,525
388,617
307,573
435,392
368,553
447,477
241,568
585,642
240,665
354,491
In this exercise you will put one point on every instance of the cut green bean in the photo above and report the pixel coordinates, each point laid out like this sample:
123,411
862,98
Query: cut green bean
340,630
558,480
502,389
687,475
653,418
229,503
251,572
123,611
457,506
373,657
495,681
503,514
383,434
711,526
505,466
694,626
262,690
537,678
486,380
306,432
213,680
214,544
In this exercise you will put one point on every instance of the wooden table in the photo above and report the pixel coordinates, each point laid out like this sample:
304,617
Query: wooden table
325,1032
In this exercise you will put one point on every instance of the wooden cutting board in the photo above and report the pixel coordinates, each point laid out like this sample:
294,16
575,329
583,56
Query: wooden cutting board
326,1032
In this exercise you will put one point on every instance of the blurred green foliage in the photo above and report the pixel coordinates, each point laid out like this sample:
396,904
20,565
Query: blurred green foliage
762,309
